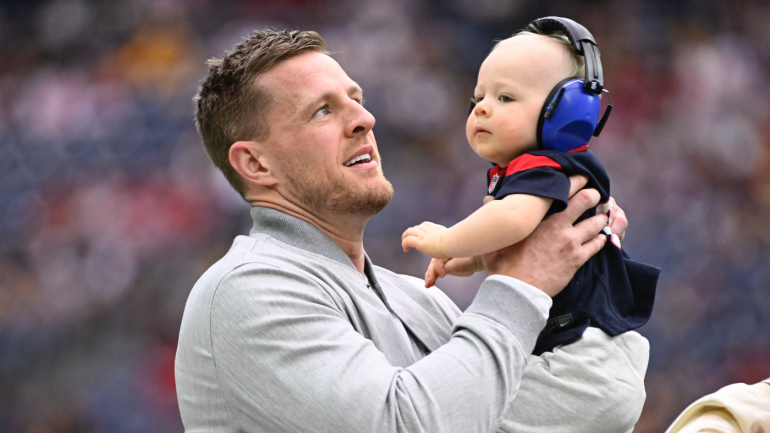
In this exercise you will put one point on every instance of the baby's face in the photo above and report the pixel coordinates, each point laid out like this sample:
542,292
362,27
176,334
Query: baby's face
513,83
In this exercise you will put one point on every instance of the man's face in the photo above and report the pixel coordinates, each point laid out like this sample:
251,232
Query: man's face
513,83
323,150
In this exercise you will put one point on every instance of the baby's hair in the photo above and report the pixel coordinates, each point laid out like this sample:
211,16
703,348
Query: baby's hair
578,61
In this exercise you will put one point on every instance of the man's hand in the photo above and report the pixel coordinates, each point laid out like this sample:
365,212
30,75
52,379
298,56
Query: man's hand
426,238
459,267
549,257
618,220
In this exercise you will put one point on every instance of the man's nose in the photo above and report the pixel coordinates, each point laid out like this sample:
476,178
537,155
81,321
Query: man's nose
361,122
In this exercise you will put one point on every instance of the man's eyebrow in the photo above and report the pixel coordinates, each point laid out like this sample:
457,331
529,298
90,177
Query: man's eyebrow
355,88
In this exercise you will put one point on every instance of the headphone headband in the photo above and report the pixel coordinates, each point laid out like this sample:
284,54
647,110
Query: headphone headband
582,42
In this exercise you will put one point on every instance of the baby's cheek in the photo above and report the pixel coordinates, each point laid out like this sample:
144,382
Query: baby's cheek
470,128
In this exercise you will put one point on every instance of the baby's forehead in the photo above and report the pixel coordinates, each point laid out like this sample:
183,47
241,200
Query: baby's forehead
539,57
553,45
523,36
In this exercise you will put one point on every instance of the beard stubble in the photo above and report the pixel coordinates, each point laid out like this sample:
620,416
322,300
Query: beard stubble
335,194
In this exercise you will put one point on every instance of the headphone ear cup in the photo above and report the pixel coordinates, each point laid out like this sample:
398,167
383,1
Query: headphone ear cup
569,116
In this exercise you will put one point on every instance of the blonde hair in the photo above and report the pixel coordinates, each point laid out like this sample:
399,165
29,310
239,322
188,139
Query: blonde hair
578,61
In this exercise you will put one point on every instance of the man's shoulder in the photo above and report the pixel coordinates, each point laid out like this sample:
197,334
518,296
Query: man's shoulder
253,251
261,250
261,254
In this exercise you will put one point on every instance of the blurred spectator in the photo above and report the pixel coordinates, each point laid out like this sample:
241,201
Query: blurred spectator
736,408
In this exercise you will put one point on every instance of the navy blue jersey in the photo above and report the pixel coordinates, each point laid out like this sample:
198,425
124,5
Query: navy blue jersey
610,291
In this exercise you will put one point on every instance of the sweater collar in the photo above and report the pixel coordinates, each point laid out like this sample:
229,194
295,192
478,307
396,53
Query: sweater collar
299,234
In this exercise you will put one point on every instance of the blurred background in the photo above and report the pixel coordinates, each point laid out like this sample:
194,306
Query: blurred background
110,210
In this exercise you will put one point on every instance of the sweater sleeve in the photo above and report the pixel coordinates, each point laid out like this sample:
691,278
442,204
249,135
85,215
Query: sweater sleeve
288,359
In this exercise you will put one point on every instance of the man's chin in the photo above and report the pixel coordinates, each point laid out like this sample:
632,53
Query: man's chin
365,203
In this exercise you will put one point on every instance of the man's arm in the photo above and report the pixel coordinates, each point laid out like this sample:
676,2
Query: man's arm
288,357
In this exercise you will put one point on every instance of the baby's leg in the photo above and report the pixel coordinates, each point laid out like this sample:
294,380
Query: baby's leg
595,384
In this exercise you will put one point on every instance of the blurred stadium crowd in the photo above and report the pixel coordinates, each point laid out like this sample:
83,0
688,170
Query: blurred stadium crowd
110,210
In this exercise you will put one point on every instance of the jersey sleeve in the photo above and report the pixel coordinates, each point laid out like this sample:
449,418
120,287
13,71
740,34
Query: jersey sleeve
584,163
546,182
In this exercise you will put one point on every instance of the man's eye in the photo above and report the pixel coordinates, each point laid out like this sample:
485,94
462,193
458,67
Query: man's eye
505,98
361,101
323,111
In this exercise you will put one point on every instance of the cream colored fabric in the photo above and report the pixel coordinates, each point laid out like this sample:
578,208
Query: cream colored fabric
737,408
593,385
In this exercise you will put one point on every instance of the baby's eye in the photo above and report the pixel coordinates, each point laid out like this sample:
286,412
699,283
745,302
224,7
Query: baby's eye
476,99
505,98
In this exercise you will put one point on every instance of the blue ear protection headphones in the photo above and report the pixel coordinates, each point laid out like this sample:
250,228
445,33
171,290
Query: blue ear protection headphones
570,114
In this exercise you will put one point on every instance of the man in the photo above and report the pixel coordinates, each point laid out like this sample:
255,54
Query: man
295,329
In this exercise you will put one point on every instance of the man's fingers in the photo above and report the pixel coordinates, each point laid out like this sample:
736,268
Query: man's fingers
576,182
594,245
588,228
619,223
582,201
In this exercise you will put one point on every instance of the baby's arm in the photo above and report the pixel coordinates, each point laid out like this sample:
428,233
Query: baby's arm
494,226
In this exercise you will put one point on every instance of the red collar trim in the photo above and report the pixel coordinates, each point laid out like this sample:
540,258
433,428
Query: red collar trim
582,148
496,170
528,161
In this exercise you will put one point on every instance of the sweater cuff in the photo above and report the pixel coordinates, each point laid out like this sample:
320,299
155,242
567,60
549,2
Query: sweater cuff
505,302
542,301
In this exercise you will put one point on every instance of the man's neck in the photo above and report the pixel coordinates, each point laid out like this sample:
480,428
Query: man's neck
347,231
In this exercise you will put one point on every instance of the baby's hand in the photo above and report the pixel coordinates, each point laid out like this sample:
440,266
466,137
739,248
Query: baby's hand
460,267
426,238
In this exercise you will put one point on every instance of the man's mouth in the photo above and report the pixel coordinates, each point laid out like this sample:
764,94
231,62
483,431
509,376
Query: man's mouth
360,159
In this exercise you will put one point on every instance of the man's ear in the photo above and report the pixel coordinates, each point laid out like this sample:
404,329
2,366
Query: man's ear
250,163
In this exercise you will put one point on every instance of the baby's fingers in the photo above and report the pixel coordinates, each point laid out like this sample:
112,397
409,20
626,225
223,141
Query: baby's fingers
438,267
409,243
430,277
435,271
412,231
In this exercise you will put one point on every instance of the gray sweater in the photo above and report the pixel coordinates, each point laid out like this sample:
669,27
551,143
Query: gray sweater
284,334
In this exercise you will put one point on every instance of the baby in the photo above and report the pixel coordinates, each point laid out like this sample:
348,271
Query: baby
518,89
